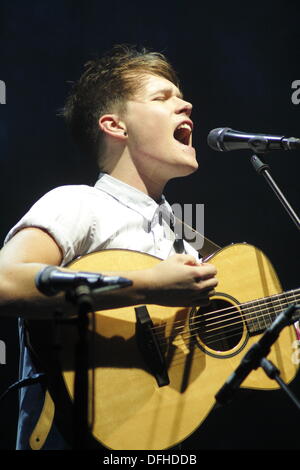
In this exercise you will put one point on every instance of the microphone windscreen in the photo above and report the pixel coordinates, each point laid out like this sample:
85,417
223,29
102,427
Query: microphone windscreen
42,281
214,138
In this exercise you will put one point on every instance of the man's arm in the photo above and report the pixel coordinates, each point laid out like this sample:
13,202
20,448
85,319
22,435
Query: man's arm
176,281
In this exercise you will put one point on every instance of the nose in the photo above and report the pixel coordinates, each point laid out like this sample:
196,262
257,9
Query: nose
184,107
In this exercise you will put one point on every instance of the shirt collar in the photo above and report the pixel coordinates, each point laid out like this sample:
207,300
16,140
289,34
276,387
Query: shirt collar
132,197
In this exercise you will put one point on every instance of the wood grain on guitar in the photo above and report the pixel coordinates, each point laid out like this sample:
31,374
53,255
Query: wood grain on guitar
200,346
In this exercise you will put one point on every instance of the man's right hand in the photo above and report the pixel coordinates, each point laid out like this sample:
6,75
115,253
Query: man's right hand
181,280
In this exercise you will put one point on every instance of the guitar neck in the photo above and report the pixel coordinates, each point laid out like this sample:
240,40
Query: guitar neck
260,314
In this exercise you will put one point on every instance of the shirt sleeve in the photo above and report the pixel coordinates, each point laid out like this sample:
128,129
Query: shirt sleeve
65,214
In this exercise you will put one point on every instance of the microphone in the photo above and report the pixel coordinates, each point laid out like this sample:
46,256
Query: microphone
224,139
254,356
50,280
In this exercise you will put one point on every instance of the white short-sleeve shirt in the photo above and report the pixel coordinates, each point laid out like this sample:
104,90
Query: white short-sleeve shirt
83,219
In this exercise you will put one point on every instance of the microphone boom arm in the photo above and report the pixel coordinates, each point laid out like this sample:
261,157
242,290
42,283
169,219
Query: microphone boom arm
263,169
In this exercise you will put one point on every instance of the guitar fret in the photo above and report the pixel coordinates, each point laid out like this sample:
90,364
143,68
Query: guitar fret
260,314
252,317
249,318
260,318
272,308
281,307
264,313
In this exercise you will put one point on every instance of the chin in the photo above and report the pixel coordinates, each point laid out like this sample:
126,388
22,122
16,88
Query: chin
190,170
185,170
189,166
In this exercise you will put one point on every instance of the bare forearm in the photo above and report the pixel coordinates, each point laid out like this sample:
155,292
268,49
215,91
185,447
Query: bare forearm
178,281
19,295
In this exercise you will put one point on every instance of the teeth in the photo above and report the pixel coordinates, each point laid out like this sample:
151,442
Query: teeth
185,126
182,133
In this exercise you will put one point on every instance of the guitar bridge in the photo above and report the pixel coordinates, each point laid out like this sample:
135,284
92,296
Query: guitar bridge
149,347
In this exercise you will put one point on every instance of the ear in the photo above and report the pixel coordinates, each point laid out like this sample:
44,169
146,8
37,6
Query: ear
111,125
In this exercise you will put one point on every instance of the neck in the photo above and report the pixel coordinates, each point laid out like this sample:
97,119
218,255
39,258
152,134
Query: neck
145,181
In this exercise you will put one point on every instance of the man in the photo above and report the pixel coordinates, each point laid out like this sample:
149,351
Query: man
128,112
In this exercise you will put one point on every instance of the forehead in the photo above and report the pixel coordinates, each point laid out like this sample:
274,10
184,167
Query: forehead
151,84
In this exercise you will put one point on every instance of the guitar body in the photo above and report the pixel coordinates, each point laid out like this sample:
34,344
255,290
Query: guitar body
130,410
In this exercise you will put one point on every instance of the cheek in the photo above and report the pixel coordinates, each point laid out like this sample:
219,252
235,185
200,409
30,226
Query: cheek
149,133
151,141
149,127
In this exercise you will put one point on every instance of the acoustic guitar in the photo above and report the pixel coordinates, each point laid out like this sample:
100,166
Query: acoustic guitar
155,370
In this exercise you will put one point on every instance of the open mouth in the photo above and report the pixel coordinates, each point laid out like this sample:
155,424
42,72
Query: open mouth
183,133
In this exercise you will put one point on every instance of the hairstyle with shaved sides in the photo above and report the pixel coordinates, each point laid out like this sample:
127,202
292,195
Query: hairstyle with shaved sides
105,86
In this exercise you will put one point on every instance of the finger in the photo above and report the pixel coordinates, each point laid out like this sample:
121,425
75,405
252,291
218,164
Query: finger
207,284
205,271
186,259
191,261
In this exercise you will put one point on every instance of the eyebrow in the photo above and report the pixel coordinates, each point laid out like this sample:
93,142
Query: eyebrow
168,90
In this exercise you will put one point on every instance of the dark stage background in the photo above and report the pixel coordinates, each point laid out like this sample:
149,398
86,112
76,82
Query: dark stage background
237,62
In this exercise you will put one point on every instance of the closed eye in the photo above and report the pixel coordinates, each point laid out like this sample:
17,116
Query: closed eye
159,98
163,95
167,94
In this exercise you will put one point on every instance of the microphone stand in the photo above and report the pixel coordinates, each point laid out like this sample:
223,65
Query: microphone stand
272,372
82,296
263,168
80,288
256,357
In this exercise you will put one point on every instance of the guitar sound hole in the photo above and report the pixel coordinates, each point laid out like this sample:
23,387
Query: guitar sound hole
219,326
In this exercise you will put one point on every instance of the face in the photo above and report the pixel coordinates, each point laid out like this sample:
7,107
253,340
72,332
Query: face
159,130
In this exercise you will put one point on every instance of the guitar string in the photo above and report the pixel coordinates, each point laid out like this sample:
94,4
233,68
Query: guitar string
187,332
213,341
233,308
216,337
237,326
275,308
229,308
292,293
263,301
179,354
212,345
212,254
223,326
237,332
179,357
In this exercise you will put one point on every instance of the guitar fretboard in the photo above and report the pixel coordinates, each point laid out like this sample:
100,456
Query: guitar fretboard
260,314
